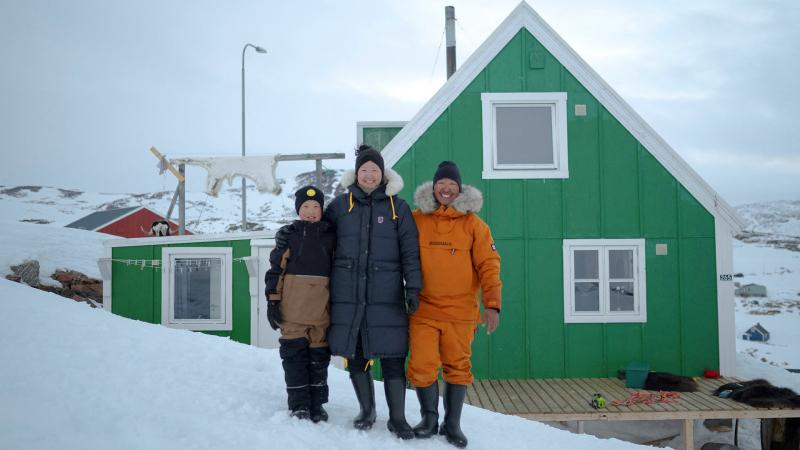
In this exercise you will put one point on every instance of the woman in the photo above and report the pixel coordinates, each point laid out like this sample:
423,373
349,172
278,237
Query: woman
375,283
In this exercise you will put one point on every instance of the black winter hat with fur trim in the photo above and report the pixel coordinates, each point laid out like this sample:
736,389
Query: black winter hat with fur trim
366,153
448,169
308,193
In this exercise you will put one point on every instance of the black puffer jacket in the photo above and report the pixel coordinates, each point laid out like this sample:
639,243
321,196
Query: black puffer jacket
377,255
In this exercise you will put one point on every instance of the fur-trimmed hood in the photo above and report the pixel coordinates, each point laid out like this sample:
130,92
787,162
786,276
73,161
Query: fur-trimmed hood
469,201
394,182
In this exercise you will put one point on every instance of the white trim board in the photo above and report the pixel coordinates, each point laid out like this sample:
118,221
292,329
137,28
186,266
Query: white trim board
375,124
165,240
726,314
523,16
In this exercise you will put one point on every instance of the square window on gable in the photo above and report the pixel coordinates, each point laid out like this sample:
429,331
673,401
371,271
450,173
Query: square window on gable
524,135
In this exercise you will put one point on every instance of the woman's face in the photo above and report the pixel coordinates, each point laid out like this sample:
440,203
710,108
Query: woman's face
369,175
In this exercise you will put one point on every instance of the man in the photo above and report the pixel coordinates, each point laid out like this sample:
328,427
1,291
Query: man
459,259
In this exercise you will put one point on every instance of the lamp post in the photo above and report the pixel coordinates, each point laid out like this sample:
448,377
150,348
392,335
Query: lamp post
244,180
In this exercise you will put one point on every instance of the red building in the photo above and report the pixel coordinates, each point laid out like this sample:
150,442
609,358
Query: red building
133,222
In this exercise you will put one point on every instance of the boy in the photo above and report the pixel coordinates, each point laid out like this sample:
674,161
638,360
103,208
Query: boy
298,303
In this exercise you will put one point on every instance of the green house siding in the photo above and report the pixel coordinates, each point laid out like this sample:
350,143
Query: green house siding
136,292
615,189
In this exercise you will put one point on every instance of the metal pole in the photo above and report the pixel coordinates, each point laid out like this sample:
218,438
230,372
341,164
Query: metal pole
319,174
450,36
182,204
244,182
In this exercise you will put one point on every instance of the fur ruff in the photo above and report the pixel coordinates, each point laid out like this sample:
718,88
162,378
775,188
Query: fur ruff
469,201
394,182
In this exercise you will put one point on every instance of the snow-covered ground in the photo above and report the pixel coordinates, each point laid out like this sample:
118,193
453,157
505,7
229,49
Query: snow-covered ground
80,378
66,384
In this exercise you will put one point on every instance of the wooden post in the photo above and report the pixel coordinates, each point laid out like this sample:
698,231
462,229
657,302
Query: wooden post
688,434
182,205
580,427
319,173
450,32
174,200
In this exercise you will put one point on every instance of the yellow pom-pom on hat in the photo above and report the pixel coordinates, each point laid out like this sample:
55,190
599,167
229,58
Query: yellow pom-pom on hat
311,192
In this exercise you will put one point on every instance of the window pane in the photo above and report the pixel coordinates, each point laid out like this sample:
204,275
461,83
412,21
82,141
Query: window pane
524,134
197,288
620,264
621,296
586,264
587,296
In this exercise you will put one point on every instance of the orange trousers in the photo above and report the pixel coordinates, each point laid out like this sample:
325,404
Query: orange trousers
438,344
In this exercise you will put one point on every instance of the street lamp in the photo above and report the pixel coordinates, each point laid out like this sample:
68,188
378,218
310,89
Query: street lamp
244,180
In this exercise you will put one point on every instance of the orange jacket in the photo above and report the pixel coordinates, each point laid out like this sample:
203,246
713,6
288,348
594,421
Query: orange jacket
458,257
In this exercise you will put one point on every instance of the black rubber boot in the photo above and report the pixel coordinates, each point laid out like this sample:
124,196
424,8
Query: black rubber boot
320,358
365,392
453,403
429,411
294,353
395,389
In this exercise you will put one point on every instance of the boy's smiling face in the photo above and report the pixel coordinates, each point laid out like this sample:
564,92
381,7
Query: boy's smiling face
310,211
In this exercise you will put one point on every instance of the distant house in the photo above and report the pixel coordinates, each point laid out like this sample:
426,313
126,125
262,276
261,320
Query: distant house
752,290
133,222
756,333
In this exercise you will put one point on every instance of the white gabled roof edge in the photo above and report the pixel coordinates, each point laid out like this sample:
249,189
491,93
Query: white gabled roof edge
524,16
186,238
121,217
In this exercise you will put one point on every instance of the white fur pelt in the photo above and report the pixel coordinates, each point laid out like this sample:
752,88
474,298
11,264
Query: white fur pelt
470,200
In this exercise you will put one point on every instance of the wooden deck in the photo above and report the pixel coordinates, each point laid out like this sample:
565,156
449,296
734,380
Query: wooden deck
549,400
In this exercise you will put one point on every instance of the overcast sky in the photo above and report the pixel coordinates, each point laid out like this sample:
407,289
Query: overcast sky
86,87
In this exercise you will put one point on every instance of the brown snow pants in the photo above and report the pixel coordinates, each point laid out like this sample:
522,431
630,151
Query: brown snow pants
315,334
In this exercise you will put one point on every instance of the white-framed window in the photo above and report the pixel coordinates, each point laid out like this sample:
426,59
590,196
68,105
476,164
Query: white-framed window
604,281
524,135
196,288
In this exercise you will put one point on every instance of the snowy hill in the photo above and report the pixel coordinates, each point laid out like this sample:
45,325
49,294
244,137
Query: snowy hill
81,378
776,224
204,214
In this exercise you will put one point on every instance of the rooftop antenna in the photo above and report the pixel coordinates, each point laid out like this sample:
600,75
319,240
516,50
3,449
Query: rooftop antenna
450,32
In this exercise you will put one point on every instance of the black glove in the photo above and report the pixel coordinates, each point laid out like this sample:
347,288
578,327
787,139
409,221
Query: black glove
412,301
274,314
282,236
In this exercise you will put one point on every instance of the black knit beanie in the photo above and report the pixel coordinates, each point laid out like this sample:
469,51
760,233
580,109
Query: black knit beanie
308,193
448,169
366,153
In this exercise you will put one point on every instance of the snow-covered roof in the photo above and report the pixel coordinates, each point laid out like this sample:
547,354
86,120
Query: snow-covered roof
760,328
99,219
523,16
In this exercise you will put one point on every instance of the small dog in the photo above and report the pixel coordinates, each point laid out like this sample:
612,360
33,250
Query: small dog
158,228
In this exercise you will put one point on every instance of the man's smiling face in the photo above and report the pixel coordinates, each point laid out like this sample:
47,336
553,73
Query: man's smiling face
445,191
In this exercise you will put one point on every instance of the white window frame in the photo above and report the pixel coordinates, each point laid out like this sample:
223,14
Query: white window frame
639,281
169,255
558,102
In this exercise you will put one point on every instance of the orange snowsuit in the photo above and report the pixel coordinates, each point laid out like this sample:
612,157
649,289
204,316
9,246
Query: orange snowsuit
459,260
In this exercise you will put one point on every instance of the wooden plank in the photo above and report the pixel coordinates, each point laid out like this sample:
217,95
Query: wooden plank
580,393
568,393
533,402
491,397
620,393
546,394
520,405
545,403
563,402
500,393
485,401
707,387
594,387
688,434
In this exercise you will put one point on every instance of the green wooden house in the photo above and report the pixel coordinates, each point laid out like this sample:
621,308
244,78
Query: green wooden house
210,283
613,249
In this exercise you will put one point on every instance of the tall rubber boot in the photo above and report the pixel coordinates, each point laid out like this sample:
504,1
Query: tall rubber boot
320,358
429,411
453,403
365,392
294,353
395,389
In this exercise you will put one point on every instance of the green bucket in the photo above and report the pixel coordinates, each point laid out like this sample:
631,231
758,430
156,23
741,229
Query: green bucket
636,374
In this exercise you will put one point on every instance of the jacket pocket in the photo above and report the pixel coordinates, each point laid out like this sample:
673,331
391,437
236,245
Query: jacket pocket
343,281
386,284
306,302
446,271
